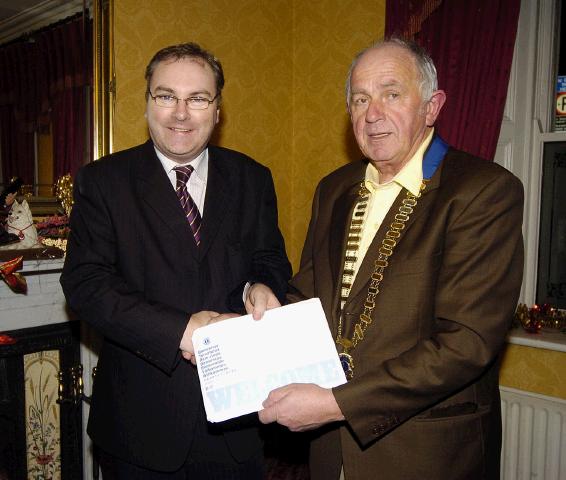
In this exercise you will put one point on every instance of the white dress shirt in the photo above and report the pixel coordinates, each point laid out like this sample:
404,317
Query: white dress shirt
197,181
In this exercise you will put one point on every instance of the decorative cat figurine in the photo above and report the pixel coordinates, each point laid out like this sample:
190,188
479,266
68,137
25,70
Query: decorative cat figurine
20,222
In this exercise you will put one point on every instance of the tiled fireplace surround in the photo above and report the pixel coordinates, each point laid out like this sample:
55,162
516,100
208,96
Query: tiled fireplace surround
45,356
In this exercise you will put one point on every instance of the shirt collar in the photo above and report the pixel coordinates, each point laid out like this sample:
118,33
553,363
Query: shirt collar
200,164
410,176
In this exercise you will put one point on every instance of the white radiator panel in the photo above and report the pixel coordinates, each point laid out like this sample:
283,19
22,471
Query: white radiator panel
534,436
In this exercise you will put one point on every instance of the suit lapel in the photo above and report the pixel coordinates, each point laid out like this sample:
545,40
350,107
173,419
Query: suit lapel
157,193
217,199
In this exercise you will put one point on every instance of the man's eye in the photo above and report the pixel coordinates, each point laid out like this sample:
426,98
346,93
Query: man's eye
167,98
198,100
360,101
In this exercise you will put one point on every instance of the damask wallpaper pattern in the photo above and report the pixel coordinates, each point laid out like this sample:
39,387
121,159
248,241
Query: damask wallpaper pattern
285,64
535,370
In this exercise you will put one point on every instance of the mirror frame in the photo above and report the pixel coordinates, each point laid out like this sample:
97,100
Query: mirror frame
104,78
103,101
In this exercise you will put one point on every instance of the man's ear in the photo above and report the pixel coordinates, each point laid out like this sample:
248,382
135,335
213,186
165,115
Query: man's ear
433,106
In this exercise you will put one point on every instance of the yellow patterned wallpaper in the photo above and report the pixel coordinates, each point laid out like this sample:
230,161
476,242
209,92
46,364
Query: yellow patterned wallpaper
535,370
327,37
285,64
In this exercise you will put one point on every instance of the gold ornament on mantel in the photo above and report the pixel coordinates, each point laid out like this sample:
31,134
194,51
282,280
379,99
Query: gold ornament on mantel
537,317
64,192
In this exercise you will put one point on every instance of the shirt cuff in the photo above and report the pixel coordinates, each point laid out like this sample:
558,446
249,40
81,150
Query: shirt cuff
247,287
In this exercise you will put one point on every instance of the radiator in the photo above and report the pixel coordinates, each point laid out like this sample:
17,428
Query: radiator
534,436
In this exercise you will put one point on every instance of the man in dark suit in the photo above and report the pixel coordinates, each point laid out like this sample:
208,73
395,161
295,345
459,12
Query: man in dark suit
416,254
157,251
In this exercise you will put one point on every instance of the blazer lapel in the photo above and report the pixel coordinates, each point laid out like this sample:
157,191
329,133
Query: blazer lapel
366,267
339,228
157,193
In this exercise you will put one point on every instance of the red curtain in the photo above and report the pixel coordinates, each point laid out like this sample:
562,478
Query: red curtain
471,44
17,147
66,53
45,75
19,109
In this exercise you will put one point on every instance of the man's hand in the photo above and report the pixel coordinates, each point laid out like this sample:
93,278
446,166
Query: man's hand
300,407
198,320
259,299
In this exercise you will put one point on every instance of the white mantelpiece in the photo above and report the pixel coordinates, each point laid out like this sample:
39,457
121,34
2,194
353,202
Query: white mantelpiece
44,303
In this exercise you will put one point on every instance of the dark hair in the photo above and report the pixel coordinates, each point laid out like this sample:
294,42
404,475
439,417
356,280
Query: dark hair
186,50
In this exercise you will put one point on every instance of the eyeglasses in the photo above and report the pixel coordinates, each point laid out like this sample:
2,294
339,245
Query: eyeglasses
171,101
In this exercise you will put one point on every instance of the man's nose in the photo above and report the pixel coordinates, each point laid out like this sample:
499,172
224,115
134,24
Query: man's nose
181,110
375,111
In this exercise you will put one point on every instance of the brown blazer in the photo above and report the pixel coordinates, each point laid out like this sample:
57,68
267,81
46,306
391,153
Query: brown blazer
424,401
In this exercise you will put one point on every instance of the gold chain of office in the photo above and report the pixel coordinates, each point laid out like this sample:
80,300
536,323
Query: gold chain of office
385,251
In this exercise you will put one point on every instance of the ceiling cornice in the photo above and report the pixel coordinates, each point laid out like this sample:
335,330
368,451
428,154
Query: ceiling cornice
37,17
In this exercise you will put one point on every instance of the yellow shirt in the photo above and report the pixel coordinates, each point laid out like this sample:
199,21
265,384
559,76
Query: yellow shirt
383,195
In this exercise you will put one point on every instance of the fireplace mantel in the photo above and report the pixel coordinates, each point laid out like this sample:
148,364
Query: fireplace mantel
44,303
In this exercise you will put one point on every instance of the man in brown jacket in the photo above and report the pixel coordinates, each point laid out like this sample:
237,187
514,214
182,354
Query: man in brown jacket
416,254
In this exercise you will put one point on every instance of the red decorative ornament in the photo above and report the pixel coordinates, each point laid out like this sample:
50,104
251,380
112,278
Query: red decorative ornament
6,339
44,459
546,309
532,326
537,317
16,281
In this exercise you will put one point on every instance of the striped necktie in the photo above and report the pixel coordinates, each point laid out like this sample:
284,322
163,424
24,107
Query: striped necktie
188,204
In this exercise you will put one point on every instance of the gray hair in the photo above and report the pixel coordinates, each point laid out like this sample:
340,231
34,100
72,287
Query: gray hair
425,66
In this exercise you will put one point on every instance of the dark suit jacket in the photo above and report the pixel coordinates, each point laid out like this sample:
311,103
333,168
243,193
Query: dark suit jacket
133,272
424,400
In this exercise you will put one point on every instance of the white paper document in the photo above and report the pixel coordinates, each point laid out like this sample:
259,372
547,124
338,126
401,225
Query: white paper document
241,360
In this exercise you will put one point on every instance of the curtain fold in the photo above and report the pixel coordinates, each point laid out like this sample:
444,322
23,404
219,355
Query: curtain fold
67,79
472,46
45,75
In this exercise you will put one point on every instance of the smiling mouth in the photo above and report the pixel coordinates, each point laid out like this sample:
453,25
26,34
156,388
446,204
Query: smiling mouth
180,130
378,136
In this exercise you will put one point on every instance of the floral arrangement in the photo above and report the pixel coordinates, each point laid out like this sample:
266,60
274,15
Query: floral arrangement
53,231
43,413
